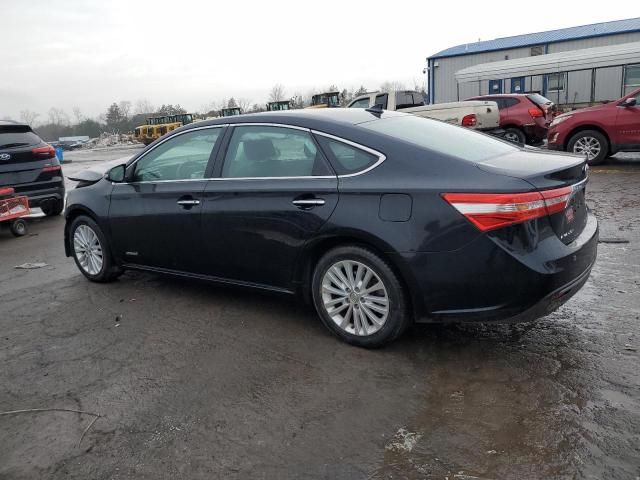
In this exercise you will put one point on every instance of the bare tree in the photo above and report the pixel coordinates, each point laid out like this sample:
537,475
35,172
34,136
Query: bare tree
277,93
77,114
143,106
244,104
57,116
28,117
391,87
125,108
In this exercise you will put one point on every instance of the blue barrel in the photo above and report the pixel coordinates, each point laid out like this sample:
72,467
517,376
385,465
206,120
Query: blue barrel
60,154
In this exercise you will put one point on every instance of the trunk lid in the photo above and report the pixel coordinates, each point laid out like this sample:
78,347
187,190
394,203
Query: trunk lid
548,171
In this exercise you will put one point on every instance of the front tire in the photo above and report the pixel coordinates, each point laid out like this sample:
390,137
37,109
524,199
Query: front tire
591,143
91,251
359,297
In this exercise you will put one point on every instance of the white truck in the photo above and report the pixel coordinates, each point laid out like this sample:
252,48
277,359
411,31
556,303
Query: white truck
476,114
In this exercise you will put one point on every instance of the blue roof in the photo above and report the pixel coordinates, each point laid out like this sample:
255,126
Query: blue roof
541,38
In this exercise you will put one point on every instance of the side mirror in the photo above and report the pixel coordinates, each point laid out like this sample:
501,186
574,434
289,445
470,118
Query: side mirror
629,102
117,173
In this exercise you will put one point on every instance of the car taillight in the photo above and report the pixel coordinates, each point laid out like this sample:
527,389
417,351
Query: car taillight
51,168
535,112
488,211
469,120
44,152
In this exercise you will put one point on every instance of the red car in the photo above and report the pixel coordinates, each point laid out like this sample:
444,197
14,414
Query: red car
599,131
525,117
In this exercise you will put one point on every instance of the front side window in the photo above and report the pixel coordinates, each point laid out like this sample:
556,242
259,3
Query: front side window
266,152
362,103
347,159
183,157
555,82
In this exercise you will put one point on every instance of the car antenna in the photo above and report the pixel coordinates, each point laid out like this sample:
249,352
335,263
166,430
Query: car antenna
377,110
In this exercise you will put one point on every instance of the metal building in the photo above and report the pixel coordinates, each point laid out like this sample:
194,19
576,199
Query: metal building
571,66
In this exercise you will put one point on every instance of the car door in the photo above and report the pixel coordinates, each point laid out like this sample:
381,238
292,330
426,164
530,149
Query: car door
154,216
627,131
275,190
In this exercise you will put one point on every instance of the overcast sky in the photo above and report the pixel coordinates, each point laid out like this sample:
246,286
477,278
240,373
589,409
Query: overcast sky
85,53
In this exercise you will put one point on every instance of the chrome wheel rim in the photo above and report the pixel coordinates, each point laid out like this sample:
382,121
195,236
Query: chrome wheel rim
512,137
588,146
355,298
88,249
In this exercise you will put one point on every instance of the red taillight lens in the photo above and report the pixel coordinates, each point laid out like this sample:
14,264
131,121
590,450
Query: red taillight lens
488,211
469,120
51,168
44,152
536,112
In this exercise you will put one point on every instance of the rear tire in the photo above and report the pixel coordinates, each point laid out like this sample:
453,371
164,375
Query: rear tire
359,297
54,208
591,143
91,252
19,227
515,135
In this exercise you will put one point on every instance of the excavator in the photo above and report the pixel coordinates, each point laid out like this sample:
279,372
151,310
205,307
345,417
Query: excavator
158,126
279,105
230,112
325,100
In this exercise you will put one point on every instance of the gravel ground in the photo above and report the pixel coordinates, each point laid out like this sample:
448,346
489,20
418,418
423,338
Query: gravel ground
193,380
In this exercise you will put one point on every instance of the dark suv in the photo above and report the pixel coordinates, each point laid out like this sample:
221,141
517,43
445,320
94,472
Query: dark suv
524,117
30,166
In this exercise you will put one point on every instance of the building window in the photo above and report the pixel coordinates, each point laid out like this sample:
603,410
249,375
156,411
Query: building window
555,82
495,86
632,76
517,85
537,50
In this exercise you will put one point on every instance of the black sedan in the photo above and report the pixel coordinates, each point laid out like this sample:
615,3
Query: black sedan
378,218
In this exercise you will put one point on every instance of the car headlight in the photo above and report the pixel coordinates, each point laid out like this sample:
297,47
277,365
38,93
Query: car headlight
559,120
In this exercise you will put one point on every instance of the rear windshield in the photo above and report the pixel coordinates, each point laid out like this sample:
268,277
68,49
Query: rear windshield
17,136
442,137
539,99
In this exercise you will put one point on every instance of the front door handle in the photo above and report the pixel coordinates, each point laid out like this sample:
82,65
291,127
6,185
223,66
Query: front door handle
308,202
188,202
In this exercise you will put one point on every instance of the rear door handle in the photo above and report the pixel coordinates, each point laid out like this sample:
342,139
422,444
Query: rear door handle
309,202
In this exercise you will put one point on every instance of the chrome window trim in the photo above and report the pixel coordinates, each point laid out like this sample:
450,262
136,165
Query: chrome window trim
381,156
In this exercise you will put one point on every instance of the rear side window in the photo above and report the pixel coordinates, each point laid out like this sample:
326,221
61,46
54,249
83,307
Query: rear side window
510,102
17,136
347,159
270,152
539,99
441,137
382,100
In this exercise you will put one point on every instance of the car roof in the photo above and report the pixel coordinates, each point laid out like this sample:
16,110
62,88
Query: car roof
12,123
315,118
517,95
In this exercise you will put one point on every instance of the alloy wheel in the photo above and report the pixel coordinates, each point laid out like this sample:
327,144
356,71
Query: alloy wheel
588,146
88,249
355,297
512,137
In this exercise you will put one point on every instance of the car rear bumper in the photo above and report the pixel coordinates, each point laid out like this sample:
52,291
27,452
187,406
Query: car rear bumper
40,193
535,133
519,274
